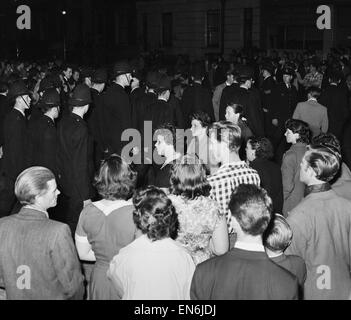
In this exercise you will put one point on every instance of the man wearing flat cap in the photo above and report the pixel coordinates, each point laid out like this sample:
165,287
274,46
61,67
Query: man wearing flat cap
196,97
75,157
117,114
14,149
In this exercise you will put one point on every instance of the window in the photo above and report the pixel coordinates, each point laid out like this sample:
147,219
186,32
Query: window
248,19
167,29
213,20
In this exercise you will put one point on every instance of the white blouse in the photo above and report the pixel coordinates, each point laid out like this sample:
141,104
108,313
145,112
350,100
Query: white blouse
153,270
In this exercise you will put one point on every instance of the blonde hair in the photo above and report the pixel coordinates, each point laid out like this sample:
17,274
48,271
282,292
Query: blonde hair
31,183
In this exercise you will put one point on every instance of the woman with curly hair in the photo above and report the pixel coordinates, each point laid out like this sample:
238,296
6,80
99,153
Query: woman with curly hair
298,134
106,226
154,266
203,229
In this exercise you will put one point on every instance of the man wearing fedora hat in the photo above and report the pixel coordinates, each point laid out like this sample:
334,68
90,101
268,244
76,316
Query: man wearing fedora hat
14,148
117,114
75,156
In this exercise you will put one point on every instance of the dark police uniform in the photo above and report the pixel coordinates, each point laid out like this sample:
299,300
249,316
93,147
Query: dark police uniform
75,165
117,117
14,157
42,143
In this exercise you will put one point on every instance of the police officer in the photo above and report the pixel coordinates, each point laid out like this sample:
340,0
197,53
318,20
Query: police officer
15,145
117,114
75,156
94,116
42,135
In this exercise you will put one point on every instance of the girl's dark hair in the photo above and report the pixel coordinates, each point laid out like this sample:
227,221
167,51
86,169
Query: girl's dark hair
115,179
300,127
262,146
155,214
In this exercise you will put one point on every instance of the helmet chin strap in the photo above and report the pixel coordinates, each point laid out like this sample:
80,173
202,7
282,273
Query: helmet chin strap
25,102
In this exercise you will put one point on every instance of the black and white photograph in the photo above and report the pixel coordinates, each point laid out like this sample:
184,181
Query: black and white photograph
183,151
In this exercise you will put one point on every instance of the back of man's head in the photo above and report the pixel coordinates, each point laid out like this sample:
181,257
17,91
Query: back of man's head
226,131
252,208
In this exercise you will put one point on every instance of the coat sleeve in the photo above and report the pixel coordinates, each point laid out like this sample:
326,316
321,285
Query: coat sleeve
288,173
65,261
296,114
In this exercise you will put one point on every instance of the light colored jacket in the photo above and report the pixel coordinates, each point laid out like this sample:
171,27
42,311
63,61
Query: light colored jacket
314,114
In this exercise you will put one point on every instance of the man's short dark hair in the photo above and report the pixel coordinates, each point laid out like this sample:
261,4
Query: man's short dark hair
252,208
315,92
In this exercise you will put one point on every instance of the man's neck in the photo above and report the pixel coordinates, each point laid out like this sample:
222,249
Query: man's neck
171,155
49,115
314,182
119,82
273,254
198,82
20,109
230,157
244,86
78,112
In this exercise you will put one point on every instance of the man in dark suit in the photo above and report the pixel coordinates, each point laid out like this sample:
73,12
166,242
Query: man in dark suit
249,98
284,101
334,98
267,87
245,272
15,145
65,76
75,156
196,97
117,113
227,95
38,259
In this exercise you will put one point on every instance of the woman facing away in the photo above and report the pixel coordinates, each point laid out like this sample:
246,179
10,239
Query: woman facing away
298,134
106,226
153,266
202,229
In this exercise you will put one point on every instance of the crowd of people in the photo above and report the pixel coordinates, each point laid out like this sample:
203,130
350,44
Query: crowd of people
243,192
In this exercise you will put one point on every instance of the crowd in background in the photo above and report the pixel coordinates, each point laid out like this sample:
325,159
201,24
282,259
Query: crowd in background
254,204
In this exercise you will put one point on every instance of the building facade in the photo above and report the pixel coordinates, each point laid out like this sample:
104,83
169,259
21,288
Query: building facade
197,27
